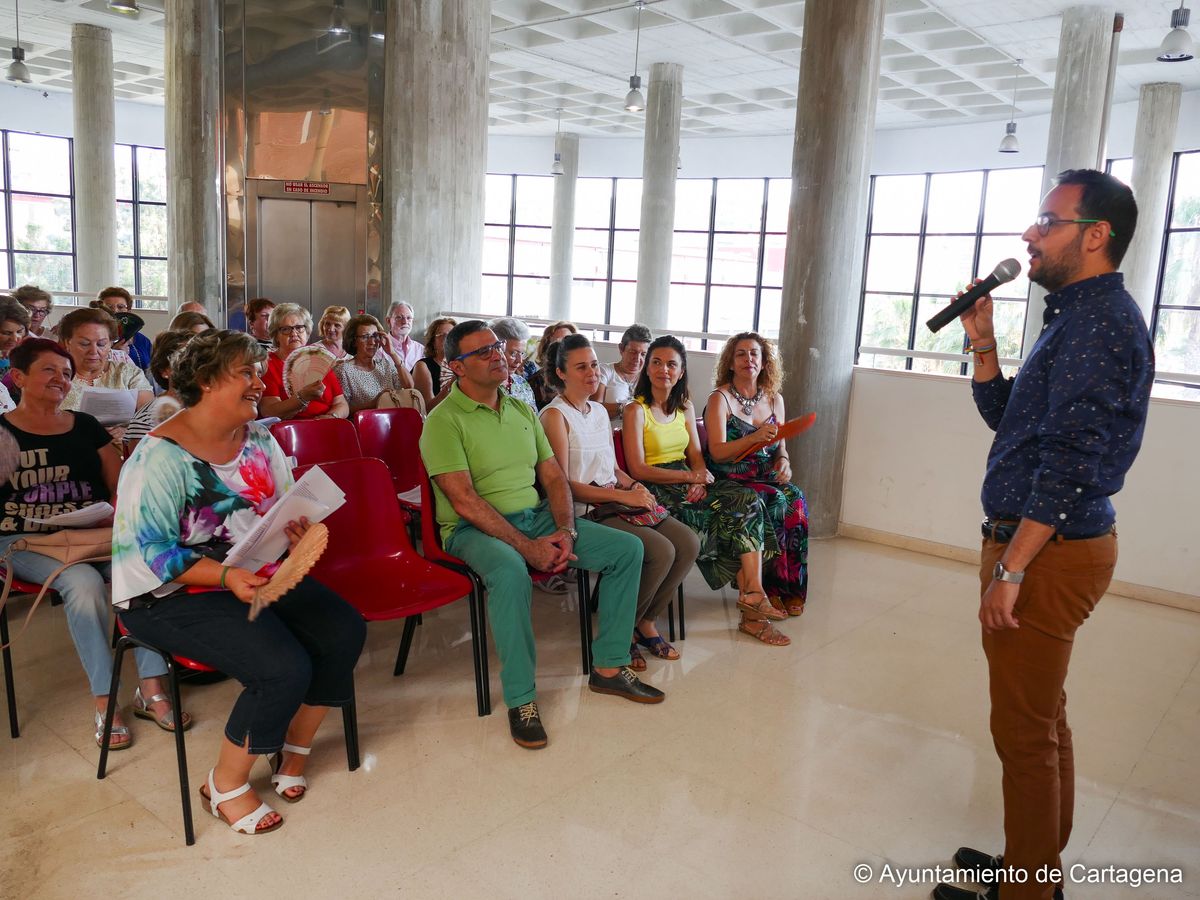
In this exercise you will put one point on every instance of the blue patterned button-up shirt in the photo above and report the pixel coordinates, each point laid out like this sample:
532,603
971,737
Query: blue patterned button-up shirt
1070,424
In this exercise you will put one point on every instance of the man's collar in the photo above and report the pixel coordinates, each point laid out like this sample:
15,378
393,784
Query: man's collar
466,404
1077,291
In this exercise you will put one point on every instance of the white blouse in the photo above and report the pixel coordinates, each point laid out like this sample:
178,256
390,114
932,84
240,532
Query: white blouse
590,437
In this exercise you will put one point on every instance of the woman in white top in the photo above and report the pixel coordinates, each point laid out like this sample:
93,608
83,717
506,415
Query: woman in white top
581,435
618,380
88,334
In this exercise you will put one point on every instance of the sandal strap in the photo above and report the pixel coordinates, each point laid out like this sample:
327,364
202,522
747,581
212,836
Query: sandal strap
292,748
216,798
150,701
248,824
288,782
122,730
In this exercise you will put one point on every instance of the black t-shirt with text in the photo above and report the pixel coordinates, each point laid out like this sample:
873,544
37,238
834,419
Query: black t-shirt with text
58,473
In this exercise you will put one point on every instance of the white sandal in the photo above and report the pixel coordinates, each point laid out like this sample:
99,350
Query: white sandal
288,782
247,823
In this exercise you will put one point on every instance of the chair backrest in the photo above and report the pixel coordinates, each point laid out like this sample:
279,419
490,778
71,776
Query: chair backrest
369,523
313,441
393,435
702,433
619,449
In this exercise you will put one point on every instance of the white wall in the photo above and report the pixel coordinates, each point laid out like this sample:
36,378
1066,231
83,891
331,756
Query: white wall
49,112
915,461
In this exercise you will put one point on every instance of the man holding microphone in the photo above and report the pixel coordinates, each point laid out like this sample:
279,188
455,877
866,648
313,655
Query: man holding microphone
1068,428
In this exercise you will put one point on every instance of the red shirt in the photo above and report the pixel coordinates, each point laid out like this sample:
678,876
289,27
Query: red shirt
273,387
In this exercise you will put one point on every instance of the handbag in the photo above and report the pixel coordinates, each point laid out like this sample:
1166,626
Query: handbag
69,546
634,515
406,398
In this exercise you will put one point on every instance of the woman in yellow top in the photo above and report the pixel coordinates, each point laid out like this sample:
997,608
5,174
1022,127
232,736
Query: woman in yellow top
663,451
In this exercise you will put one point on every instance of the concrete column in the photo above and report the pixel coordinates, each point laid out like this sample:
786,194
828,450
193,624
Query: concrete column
660,160
1077,114
95,172
435,127
835,125
195,225
562,228
1153,146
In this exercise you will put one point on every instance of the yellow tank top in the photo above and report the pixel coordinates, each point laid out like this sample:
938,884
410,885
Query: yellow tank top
664,443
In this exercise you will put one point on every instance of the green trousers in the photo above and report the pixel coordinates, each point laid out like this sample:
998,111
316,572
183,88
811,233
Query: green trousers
510,591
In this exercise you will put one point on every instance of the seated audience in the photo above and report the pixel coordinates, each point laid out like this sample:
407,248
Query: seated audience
515,335
258,321
367,375
617,381
543,391
87,334
581,436
431,376
195,322
39,303
166,404
195,485
745,409
662,449
14,327
485,451
322,399
330,327
68,462
117,300
400,325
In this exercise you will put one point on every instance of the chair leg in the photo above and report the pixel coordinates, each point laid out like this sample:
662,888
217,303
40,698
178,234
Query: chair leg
585,624
483,701
410,625
10,690
110,713
682,625
484,671
185,793
350,726
671,621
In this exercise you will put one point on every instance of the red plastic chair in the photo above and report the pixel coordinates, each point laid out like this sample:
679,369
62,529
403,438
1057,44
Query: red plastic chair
370,562
19,589
313,441
394,435
126,642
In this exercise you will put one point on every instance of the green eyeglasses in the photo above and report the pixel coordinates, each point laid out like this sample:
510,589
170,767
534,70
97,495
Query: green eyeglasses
1044,223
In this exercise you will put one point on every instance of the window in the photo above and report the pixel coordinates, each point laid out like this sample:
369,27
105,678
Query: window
518,210
142,220
928,237
1177,310
37,222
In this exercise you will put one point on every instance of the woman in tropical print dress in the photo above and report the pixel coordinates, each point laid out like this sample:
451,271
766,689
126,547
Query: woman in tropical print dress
662,450
745,409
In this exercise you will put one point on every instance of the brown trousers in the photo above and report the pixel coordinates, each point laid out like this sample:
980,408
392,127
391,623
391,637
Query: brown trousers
1027,668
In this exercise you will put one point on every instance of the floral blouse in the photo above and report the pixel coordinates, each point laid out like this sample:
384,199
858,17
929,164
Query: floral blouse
174,509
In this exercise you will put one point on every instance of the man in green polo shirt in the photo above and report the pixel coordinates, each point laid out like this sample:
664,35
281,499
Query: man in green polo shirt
484,450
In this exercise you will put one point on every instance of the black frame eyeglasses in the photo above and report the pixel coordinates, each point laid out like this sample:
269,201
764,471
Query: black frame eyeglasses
483,352
1045,222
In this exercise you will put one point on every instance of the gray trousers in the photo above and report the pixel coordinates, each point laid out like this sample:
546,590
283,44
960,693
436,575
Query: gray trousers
670,550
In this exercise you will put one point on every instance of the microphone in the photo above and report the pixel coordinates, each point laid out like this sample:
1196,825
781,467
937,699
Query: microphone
1002,274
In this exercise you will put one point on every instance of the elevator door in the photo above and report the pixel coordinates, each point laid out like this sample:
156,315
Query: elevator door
306,252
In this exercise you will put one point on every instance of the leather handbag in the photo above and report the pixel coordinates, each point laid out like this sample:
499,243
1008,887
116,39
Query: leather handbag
69,546
406,398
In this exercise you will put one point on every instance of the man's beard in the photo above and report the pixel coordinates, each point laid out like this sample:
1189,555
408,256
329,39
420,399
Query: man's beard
1055,274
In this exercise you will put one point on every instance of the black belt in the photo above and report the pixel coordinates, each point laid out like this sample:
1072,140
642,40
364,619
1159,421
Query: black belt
1002,530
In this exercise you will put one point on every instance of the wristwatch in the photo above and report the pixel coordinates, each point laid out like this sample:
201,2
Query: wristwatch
1002,574
570,532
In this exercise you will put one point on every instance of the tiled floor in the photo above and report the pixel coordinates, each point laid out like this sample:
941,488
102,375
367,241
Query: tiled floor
767,773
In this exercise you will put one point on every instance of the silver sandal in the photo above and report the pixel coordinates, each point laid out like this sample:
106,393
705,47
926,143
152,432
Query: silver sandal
117,731
141,709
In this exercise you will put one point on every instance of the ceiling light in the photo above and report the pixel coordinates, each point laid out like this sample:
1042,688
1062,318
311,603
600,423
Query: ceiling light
556,168
1008,143
634,101
129,7
17,70
337,19
1177,45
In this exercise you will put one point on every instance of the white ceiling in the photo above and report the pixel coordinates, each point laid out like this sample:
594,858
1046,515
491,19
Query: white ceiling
943,60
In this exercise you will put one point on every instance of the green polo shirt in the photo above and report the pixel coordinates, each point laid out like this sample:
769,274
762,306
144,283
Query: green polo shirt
500,448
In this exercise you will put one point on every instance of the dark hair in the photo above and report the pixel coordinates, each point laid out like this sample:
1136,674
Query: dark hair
679,395
556,357
350,334
431,331
25,354
257,305
115,292
639,333
188,320
165,346
11,310
77,318
31,293
542,354
1108,199
454,338
208,356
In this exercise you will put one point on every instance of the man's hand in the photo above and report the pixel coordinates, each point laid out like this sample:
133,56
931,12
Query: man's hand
243,582
996,607
977,321
550,553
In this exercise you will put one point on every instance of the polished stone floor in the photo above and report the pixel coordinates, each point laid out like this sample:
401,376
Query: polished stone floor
767,773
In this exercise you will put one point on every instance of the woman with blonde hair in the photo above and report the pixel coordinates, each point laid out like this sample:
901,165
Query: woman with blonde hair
745,409
330,327
539,381
431,375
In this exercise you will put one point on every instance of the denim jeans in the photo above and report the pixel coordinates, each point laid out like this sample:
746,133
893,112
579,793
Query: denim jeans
301,649
87,601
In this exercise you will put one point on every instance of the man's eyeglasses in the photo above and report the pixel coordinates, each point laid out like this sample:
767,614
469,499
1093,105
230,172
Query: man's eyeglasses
292,329
483,352
38,312
1044,223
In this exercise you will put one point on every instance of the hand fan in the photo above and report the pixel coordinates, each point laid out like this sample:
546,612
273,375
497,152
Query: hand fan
306,366
292,570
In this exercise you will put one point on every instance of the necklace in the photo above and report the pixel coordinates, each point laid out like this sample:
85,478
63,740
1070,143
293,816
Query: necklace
748,403
628,379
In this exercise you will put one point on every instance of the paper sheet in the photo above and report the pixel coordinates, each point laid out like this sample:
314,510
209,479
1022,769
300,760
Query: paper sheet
109,406
314,496
88,517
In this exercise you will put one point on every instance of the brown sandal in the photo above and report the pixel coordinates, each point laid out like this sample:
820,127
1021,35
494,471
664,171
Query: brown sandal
637,662
767,633
794,606
761,610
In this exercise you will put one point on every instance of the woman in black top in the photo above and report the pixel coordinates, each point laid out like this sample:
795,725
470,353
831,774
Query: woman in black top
431,375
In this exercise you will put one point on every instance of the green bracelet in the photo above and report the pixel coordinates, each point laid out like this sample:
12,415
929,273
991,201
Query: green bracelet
224,570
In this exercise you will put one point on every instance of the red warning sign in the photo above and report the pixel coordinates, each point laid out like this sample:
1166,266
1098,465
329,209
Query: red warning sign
306,187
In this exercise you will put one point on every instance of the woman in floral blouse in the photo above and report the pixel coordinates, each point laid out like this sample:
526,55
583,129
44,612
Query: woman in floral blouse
194,486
